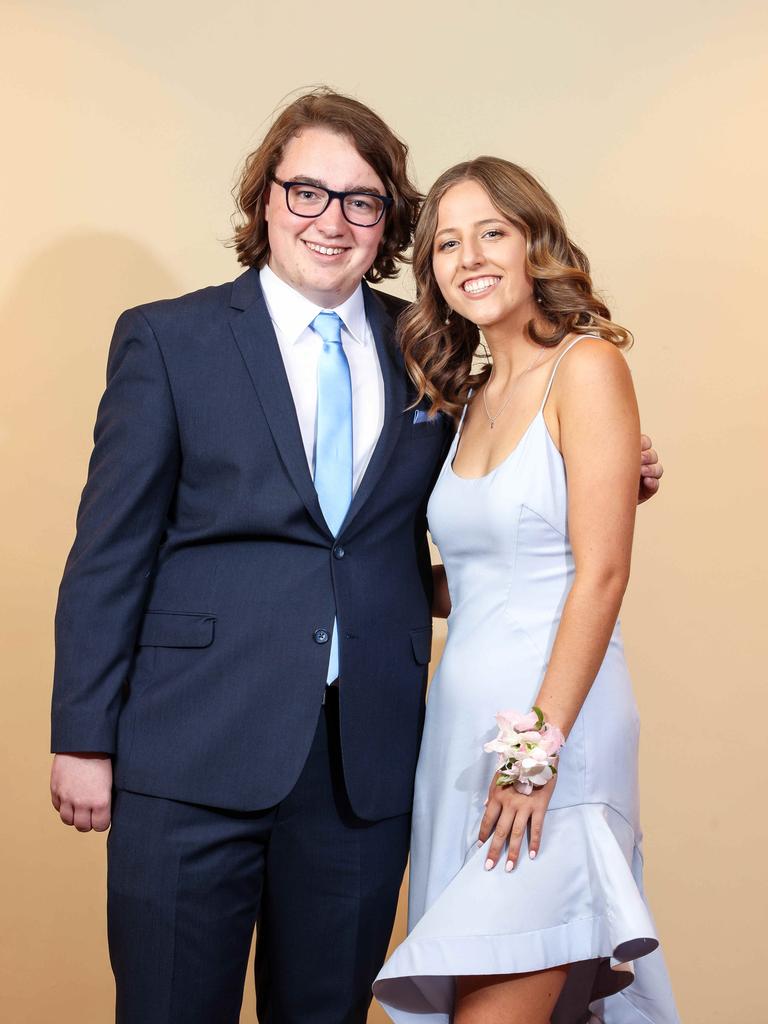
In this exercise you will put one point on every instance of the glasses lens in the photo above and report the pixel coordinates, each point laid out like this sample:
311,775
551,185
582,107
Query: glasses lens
307,200
362,209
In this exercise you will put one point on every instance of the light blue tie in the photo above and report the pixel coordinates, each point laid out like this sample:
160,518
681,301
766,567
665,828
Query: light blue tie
333,446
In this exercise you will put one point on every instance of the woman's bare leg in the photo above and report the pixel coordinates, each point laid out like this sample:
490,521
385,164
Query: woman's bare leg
509,999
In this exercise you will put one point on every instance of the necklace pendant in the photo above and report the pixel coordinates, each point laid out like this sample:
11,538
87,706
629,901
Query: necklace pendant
492,422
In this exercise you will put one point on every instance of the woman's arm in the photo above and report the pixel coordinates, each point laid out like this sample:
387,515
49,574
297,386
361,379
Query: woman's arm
595,405
441,599
599,429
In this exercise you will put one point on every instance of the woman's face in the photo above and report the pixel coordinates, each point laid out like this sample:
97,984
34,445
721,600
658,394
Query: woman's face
478,258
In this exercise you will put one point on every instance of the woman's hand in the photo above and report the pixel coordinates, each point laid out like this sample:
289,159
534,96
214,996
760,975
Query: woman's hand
508,814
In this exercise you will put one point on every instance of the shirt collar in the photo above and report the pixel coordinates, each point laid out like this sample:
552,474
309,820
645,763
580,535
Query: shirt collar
292,313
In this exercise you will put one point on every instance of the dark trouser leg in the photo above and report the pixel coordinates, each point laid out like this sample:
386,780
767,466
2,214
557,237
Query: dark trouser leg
184,890
332,883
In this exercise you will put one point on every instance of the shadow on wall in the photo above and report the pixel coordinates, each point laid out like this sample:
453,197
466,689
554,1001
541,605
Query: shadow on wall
60,310
56,320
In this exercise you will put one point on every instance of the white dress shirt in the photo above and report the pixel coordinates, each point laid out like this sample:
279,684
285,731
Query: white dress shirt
291,314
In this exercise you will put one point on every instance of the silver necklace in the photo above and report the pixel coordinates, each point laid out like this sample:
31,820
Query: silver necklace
534,362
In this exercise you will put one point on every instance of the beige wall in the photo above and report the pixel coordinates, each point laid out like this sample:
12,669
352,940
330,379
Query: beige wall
123,126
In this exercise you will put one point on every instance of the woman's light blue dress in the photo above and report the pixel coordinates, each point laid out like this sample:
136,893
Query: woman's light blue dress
504,541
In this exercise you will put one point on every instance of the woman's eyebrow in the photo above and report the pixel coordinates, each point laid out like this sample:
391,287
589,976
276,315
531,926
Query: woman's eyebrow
477,224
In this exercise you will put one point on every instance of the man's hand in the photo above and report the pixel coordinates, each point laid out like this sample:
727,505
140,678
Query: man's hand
651,470
81,790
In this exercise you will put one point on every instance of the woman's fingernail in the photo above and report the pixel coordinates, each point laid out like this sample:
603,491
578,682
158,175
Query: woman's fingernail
479,844
509,865
488,864
532,855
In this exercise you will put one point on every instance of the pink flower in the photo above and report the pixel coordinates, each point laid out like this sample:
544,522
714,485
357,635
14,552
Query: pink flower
529,721
508,720
551,739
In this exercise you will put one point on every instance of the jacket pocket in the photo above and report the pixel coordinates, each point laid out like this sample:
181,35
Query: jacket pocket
421,641
176,629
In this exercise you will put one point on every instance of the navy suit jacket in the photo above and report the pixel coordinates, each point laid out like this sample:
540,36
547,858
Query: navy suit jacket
203,580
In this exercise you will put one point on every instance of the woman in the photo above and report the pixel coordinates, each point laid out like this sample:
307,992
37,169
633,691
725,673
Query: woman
536,571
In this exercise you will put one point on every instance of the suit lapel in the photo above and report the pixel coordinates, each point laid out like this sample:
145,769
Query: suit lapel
395,397
255,337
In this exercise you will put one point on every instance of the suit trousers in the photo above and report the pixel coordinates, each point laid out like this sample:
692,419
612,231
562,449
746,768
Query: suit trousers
187,884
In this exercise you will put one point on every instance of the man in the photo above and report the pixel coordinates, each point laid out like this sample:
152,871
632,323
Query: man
244,625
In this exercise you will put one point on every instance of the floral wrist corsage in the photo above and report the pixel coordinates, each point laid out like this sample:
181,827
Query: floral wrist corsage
528,750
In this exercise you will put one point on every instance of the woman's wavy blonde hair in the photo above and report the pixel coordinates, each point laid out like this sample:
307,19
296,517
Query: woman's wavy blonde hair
439,354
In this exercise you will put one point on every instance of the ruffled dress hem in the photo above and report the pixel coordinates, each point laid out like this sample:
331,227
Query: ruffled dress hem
420,980
471,928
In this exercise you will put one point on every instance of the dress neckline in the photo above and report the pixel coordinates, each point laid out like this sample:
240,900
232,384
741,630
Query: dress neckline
540,414
506,458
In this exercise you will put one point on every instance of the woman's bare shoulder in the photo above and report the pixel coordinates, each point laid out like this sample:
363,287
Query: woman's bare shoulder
591,362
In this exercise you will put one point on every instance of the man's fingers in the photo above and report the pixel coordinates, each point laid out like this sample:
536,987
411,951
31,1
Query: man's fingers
83,817
654,472
648,487
651,470
100,817
56,800
649,457
82,820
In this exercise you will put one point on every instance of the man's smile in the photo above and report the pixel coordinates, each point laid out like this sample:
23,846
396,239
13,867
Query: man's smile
324,250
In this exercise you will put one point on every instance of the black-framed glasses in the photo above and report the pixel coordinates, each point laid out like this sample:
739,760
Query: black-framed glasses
363,209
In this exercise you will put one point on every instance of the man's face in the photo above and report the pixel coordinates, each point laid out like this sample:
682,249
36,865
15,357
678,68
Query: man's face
326,278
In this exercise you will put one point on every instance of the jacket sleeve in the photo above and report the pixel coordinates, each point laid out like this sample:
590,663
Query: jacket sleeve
132,477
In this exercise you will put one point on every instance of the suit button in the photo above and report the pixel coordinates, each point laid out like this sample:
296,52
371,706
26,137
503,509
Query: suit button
320,636
338,551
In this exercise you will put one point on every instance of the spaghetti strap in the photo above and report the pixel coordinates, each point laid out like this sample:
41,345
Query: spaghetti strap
565,352
463,413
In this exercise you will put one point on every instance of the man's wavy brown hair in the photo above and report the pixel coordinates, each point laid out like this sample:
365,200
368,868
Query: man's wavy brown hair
438,355
376,143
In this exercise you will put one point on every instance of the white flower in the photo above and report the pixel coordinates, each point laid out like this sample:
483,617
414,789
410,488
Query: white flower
543,777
